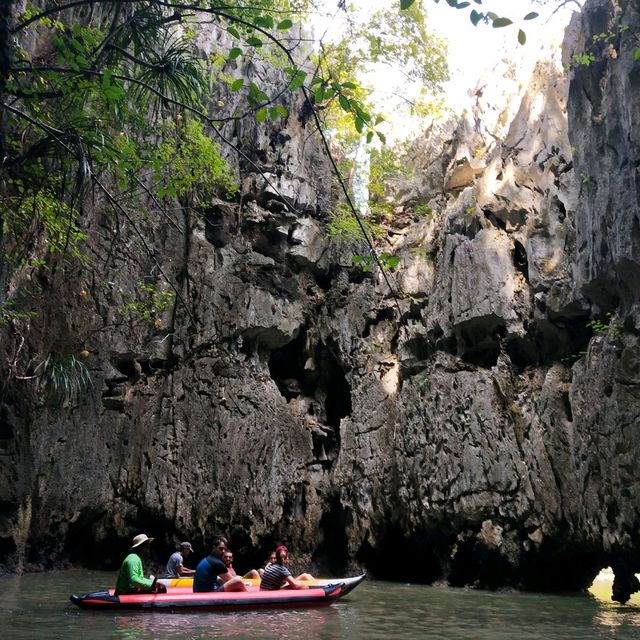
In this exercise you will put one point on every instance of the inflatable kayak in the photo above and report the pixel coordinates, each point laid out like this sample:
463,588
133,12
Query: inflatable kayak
184,599
349,584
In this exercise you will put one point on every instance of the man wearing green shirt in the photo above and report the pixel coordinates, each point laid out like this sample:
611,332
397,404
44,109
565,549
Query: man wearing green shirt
131,576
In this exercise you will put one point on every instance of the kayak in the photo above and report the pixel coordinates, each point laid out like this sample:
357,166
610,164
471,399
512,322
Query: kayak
349,584
184,599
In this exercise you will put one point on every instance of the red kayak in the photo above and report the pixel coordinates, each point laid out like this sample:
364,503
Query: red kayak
183,599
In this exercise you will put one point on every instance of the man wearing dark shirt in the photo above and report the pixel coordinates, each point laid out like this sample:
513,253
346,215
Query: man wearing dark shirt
212,567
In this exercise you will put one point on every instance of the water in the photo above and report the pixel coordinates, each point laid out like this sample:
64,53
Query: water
37,606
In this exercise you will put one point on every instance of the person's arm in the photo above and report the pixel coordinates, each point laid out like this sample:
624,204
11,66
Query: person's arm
296,584
184,571
136,574
224,577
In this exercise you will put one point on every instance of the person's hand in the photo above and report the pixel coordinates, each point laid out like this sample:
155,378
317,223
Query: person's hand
158,587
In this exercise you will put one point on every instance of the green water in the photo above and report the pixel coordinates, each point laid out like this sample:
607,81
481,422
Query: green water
37,606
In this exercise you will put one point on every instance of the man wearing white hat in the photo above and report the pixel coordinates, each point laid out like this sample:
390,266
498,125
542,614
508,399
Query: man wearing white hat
131,576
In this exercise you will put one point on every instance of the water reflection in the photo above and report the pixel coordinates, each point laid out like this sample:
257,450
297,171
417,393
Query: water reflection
617,617
318,624
38,607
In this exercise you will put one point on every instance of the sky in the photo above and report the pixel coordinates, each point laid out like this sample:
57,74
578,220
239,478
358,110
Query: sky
473,51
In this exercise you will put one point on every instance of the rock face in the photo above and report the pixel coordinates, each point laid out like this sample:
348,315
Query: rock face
475,429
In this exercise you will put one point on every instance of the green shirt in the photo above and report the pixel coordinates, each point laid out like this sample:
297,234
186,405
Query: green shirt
131,577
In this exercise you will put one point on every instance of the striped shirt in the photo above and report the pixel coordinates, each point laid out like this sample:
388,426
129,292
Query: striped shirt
274,577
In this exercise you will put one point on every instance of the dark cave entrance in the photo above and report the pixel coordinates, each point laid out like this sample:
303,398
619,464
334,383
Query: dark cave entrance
401,558
286,366
333,381
319,377
332,554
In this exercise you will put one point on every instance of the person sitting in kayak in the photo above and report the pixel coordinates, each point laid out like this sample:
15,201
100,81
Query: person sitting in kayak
270,560
277,575
227,558
175,566
131,575
212,567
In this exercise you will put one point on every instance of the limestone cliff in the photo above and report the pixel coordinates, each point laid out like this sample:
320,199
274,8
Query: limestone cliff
474,430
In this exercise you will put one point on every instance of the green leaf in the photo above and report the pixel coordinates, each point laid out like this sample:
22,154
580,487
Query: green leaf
382,137
284,25
392,262
344,102
319,94
405,4
349,85
254,42
236,85
282,110
113,92
273,113
369,137
636,54
264,21
463,5
234,32
359,124
452,3
475,17
261,114
531,16
522,36
234,53
501,22
297,80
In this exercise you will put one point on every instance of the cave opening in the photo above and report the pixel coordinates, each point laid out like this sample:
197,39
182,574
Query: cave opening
473,564
286,366
520,260
332,554
401,558
333,381
478,340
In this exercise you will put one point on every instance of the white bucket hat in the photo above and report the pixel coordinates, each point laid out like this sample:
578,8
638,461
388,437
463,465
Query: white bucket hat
140,539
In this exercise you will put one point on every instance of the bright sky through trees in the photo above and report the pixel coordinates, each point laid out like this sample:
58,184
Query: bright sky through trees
473,51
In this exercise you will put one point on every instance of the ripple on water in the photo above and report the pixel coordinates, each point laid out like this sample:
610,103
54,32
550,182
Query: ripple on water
37,606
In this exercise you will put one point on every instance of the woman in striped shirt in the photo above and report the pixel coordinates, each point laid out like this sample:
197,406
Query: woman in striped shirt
277,575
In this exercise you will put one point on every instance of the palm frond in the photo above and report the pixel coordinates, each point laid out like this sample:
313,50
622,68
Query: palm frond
62,379
174,71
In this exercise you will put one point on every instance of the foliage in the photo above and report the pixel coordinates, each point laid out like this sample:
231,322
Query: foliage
32,216
343,83
116,107
151,303
603,45
9,313
423,209
61,379
606,326
384,259
342,224
386,163
188,163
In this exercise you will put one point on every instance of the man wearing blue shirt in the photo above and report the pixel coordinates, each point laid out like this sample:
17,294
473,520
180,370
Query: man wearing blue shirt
212,567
